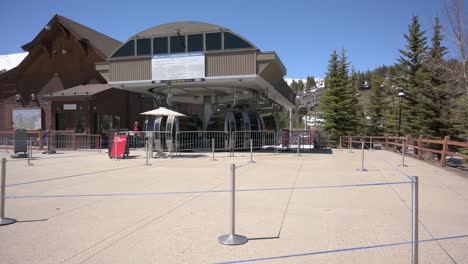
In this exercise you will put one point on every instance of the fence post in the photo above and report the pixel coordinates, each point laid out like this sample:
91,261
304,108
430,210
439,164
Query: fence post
444,151
232,238
414,221
340,143
3,220
371,146
419,147
386,142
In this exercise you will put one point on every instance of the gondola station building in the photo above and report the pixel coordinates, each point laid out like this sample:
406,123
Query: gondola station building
75,78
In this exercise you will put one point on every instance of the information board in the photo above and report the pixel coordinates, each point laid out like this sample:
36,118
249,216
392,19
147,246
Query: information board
118,147
178,66
27,118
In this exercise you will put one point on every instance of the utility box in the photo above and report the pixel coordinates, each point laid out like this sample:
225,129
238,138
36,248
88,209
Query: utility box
20,141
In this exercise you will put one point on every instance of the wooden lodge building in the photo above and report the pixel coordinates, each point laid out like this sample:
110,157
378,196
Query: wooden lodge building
75,78
57,83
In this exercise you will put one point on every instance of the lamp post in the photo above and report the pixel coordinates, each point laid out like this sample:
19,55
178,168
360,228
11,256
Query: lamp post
400,100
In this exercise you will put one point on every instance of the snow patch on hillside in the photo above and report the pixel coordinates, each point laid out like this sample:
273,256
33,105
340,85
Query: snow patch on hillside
10,61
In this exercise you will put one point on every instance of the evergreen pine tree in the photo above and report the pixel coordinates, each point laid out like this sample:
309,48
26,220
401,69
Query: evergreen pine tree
310,83
356,118
376,106
440,94
339,106
417,110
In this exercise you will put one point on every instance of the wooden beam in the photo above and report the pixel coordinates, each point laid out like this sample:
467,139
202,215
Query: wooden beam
65,31
46,47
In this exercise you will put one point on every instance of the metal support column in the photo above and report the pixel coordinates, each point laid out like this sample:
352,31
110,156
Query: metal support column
233,239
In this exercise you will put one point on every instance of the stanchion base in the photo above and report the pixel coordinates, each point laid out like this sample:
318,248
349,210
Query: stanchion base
48,152
232,240
147,164
361,169
7,221
252,161
402,165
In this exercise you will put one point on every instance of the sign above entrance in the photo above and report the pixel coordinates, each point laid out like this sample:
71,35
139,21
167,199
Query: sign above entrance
180,66
69,106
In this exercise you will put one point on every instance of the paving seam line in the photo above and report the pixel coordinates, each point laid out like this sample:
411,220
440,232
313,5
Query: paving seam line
341,250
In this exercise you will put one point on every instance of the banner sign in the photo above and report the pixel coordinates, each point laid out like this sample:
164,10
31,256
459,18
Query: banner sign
179,66
118,147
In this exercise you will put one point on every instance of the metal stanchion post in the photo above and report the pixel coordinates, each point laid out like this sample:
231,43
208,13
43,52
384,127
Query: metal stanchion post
213,148
116,149
371,147
29,152
298,144
3,220
147,153
274,142
233,239
362,158
251,151
414,221
350,145
340,143
403,150
6,144
231,146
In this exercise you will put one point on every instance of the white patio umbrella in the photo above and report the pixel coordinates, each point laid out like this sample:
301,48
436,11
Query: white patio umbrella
162,111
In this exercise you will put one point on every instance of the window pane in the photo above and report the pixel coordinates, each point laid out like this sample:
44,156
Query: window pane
195,42
126,50
80,122
144,47
213,41
177,44
234,42
160,45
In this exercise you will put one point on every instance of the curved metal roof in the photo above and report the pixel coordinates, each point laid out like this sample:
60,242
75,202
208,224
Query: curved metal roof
185,27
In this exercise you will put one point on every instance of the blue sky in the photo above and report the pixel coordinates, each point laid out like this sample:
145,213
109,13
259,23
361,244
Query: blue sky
303,33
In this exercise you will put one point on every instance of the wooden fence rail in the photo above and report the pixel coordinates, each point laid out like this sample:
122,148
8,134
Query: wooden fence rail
393,143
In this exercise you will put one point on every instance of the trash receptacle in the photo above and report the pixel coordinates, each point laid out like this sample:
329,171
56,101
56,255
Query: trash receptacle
20,141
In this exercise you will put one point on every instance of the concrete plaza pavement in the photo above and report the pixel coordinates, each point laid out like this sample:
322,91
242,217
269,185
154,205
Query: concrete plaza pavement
171,212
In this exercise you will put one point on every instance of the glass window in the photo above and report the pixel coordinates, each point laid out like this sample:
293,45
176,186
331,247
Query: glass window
143,47
126,50
177,44
232,41
80,124
160,45
213,41
195,42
